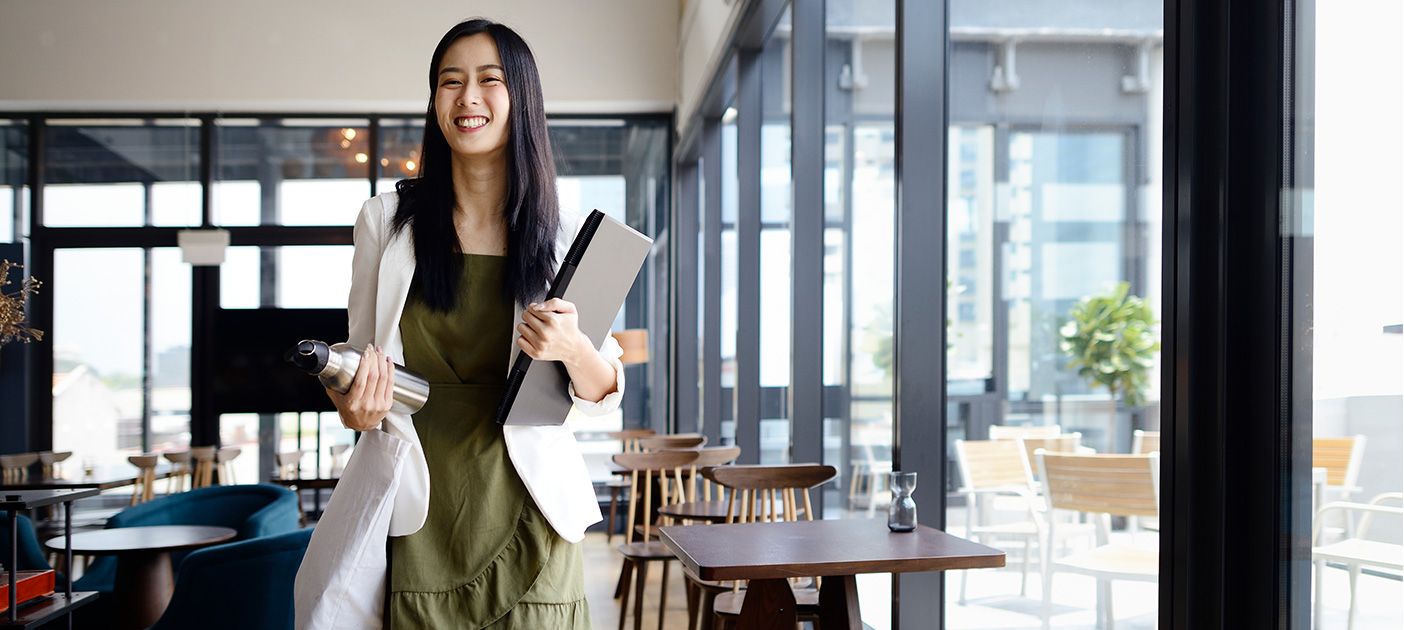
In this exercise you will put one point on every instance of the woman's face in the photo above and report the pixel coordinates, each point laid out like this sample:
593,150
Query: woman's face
471,101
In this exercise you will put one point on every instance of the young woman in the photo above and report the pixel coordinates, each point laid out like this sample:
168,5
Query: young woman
486,520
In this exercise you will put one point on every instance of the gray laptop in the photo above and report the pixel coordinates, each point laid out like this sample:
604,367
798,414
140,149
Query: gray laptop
595,275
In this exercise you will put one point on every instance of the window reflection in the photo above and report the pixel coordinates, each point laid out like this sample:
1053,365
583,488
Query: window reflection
122,173
290,171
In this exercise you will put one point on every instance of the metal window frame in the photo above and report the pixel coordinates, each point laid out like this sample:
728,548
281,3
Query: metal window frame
919,399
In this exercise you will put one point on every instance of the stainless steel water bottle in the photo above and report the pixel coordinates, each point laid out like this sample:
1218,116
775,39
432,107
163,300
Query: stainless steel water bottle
336,366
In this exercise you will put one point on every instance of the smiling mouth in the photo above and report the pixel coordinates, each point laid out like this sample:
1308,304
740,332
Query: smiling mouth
470,122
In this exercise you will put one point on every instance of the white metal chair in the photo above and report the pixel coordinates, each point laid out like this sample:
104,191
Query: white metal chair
1104,486
989,469
1355,551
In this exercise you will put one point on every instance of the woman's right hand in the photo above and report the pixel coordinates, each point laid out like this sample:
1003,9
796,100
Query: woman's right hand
368,401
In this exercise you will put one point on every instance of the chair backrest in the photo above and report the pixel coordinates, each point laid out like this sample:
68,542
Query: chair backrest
50,460
756,489
203,474
289,464
261,571
992,464
1119,485
1340,456
1001,432
1065,443
650,464
708,456
629,439
15,467
1143,442
672,442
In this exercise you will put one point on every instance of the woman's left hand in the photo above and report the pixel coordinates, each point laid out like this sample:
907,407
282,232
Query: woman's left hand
550,331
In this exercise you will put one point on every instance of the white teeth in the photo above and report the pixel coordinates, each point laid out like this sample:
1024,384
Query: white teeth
471,122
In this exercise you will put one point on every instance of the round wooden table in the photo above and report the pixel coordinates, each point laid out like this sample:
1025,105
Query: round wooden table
145,578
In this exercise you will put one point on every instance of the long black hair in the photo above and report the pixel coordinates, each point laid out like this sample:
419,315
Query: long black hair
531,209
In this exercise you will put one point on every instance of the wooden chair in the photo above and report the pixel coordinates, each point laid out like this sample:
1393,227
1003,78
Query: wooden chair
1103,486
629,439
1064,443
756,494
628,443
224,461
289,464
640,551
672,442
142,490
14,468
203,474
49,463
180,471
1143,442
1002,432
1355,551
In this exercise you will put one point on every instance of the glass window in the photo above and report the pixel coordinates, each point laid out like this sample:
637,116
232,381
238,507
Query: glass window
775,257
122,173
730,192
1052,204
859,197
98,363
312,276
1348,272
400,141
290,171
14,174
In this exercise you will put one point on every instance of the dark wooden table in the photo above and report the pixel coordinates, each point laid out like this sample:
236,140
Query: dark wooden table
145,579
769,553
105,480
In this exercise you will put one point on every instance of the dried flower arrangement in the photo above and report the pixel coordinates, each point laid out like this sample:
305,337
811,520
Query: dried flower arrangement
12,324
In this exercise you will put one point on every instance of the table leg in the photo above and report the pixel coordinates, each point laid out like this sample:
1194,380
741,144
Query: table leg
142,588
838,603
770,604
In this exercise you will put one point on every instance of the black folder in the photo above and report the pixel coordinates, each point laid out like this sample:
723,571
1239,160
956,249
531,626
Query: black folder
596,274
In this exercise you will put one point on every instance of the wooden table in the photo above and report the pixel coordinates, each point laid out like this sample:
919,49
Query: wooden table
768,553
103,481
145,579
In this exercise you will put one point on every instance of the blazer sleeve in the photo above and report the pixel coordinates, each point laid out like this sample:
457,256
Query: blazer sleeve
365,273
610,351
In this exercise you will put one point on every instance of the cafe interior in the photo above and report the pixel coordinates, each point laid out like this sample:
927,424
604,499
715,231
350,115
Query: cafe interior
958,314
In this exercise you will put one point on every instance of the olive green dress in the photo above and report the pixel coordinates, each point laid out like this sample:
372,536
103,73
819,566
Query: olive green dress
486,557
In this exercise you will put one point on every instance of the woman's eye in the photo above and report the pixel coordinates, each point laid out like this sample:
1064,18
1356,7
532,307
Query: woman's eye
451,82
491,79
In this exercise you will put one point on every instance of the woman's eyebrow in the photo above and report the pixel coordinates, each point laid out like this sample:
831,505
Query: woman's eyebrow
482,68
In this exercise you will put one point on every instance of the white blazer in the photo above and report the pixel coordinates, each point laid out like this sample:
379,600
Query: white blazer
384,489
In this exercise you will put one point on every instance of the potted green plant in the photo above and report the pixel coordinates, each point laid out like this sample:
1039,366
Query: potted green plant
1110,340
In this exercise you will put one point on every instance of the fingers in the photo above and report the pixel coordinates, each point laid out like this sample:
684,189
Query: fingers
386,395
556,305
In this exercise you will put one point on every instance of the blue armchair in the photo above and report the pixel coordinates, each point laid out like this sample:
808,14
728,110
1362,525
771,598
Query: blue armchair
31,556
239,585
252,510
